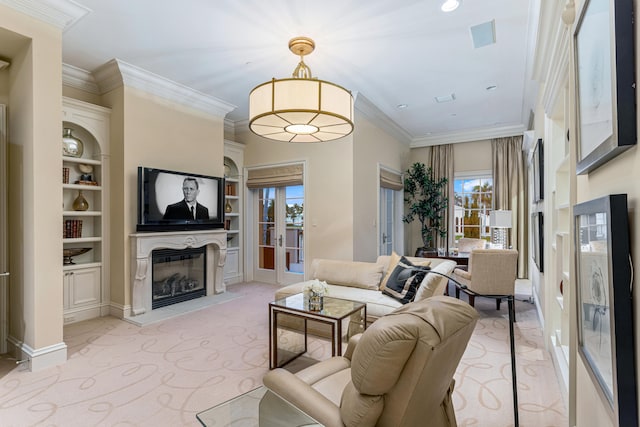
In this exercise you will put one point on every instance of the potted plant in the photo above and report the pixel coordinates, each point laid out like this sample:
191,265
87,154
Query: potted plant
426,202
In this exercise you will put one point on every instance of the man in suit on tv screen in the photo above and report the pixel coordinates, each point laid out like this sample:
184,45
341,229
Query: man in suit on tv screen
188,208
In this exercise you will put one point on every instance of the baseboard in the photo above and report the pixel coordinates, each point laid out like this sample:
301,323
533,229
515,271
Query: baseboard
118,310
38,359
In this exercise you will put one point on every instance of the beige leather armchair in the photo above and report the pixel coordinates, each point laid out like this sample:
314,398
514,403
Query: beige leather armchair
399,372
491,272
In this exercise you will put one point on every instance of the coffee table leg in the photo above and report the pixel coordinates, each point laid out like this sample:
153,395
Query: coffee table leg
273,344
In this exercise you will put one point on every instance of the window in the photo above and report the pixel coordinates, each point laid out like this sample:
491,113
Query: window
473,201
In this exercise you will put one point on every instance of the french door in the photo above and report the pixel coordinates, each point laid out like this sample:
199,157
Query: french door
279,231
390,222
387,222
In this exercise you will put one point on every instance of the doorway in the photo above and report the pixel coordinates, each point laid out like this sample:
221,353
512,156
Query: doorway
279,234
390,236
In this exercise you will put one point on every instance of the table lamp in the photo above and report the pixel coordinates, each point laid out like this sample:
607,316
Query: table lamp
499,221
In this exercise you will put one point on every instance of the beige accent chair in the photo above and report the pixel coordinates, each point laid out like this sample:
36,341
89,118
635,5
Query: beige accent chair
398,373
491,272
467,244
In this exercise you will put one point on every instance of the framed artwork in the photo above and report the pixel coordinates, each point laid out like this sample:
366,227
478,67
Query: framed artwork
538,171
537,237
605,317
605,82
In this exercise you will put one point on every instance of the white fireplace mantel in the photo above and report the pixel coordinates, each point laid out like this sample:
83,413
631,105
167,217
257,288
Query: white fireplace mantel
142,245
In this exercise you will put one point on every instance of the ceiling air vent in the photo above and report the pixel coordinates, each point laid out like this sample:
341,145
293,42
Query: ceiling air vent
445,98
483,34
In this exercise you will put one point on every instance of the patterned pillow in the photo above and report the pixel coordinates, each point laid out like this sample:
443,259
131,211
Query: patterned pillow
404,281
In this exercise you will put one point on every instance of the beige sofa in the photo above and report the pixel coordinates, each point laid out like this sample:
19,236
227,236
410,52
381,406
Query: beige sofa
361,281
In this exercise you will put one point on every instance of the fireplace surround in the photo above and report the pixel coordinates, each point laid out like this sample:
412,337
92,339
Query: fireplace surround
143,245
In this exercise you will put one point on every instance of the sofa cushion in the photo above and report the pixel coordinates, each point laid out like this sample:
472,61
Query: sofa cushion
403,281
365,275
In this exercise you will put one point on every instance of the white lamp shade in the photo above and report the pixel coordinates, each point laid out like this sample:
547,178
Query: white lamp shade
300,110
500,219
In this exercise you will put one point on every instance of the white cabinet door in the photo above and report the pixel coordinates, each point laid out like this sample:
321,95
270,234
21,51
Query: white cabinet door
232,265
83,287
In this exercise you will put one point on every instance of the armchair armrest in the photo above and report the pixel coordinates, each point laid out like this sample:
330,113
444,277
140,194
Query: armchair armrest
304,397
462,273
351,347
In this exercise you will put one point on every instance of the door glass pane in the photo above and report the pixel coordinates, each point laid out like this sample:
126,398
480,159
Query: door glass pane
266,228
294,225
473,198
386,220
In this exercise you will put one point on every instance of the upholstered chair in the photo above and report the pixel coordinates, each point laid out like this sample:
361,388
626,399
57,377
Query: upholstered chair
398,373
467,244
491,272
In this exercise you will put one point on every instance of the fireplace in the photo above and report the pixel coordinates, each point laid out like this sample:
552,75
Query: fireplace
143,245
177,275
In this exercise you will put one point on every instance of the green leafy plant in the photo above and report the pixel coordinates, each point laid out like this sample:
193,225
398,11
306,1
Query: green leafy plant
426,202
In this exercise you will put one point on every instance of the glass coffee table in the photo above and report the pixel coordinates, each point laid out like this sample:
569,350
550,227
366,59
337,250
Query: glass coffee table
259,407
335,311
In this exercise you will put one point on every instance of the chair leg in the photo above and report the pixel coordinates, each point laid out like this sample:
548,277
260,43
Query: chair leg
498,301
472,300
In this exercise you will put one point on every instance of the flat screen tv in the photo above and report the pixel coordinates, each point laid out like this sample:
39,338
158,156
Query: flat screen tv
165,199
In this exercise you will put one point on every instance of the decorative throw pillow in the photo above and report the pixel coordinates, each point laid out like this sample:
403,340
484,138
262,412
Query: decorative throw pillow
404,280
393,261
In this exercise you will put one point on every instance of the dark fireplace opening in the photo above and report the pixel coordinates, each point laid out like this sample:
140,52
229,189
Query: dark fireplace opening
178,275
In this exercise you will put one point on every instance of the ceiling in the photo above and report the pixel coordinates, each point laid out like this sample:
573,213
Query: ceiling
402,52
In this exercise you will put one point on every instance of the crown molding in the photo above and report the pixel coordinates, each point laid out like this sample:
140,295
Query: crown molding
468,135
368,109
553,59
80,79
116,73
60,13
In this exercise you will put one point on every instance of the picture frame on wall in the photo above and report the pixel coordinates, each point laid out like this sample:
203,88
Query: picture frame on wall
605,312
537,238
537,161
605,82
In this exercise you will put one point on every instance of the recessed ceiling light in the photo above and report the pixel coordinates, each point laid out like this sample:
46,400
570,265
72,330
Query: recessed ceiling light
401,106
450,5
492,87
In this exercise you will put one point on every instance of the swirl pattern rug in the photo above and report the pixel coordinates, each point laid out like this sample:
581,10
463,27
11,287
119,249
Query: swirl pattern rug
162,374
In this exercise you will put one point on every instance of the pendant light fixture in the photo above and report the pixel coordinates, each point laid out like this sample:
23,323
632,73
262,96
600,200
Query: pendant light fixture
300,108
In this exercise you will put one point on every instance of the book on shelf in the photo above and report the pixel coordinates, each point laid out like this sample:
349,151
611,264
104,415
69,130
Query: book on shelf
65,175
72,229
229,189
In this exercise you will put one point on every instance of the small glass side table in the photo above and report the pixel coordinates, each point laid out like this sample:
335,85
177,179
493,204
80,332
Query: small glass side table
259,407
333,313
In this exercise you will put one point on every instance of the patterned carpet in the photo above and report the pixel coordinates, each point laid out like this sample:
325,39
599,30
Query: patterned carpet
163,374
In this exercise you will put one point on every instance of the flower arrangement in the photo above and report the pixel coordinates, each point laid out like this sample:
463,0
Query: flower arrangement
318,287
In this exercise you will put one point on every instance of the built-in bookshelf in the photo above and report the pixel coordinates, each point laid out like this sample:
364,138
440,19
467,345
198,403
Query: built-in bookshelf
233,269
84,228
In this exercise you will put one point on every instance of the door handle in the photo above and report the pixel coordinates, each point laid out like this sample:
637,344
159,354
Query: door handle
6,273
280,240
